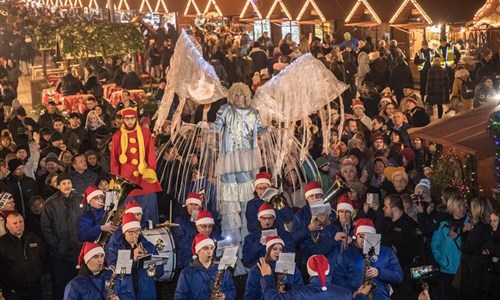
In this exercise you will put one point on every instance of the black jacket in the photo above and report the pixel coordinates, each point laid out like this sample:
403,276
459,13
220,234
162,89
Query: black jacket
21,261
23,189
59,223
47,120
131,81
402,236
69,85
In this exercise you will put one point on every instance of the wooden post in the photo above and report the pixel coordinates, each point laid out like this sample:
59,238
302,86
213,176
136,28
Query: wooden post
44,63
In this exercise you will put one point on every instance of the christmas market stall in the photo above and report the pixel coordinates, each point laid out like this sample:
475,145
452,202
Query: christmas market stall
484,30
470,155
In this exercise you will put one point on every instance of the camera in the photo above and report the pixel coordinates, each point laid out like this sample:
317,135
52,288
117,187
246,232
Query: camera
423,272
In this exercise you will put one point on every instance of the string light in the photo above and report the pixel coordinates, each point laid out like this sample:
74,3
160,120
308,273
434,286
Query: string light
494,129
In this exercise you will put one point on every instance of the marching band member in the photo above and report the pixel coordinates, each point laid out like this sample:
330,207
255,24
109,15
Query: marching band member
254,246
319,287
186,231
345,226
199,279
383,270
90,282
313,236
89,223
262,184
131,207
274,246
141,285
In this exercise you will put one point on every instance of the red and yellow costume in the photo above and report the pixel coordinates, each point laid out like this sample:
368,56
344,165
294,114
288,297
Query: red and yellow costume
133,156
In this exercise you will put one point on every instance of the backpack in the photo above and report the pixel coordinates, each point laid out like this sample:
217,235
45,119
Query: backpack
467,89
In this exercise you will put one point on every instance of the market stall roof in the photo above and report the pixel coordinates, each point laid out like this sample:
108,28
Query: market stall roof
466,132
319,11
283,10
252,11
422,13
488,14
367,13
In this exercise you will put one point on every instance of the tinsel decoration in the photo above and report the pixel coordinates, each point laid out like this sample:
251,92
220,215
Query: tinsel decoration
494,129
470,188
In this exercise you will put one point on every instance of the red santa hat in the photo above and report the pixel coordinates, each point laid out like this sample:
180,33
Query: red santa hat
91,192
129,112
200,241
347,163
345,203
133,207
317,265
364,225
88,251
193,198
412,99
313,188
204,217
266,209
263,177
357,103
271,240
130,221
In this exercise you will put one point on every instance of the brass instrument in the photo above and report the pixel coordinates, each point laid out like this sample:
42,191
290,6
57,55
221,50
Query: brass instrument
110,284
278,201
338,187
218,280
122,187
280,282
345,227
366,266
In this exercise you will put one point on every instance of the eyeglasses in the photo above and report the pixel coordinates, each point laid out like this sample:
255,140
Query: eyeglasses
133,232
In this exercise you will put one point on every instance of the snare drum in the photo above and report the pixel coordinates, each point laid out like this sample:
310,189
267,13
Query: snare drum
164,242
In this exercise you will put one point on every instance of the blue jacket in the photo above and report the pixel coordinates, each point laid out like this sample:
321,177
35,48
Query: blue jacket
89,224
196,283
445,250
334,255
283,215
210,194
311,291
253,249
325,242
253,290
146,285
86,286
349,269
183,237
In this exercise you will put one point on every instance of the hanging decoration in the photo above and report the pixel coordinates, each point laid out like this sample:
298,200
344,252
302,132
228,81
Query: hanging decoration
494,129
446,171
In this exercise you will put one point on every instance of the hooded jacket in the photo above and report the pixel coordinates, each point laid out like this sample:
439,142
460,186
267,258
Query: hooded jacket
446,251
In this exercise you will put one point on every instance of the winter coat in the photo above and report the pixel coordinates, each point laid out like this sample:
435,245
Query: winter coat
461,76
145,284
312,291
196,282
417,117
482,95
491,276
59,222
22,189
446,251
87,286
131,81
437,83
89,224
283,215
253,250
472,261
400,76
13,74
82,180
259,58
349,269
253,290
377,78
68,85
371,104
402,104
21,261
303,237
92,86
363,68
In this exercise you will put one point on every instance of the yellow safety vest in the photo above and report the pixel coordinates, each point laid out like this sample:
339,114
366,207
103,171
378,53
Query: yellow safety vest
421,56
449,58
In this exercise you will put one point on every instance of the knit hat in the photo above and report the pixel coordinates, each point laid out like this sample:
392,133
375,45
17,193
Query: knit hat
4,197
347,163
266,209
130,221
91,192
193,198
145,120
88,251
408,154
263,177
14,164
378,136
357,103
200,241
61,177
22,147
364,225
344,202
313,188
21,111
204,217
321,162
129,112
271,240
317,265
390,171
89,153
56,136
382,159
412,99
409,86
424,184
386,97
133,207
52,157
358,187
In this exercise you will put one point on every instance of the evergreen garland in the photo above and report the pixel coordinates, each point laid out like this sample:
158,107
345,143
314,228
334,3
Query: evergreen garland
494,129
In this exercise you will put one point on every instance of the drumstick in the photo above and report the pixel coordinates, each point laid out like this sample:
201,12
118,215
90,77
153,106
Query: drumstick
170,215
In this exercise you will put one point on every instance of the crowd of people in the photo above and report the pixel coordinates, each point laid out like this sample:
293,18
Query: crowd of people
55,177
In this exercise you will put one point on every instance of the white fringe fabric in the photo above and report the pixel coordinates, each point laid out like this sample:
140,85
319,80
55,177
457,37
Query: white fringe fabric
239,161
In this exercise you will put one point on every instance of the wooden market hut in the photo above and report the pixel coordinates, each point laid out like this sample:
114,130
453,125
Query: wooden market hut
485,29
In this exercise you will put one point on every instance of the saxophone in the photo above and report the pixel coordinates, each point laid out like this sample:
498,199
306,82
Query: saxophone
368,281
122,187
110,284
217,283
280,282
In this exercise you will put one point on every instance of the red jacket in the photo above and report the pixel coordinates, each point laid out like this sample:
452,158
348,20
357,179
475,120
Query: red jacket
127,170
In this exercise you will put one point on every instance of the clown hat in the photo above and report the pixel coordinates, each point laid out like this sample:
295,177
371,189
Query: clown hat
129,112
